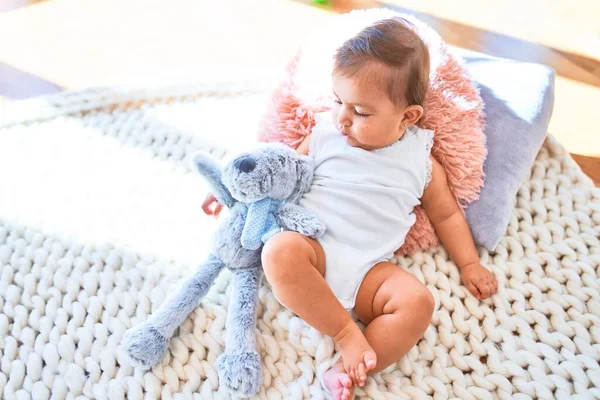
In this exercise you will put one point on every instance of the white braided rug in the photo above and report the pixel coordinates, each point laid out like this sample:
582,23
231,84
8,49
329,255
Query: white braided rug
99,217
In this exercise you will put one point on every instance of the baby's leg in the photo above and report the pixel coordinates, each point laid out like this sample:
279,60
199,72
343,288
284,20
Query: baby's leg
397,309
294,265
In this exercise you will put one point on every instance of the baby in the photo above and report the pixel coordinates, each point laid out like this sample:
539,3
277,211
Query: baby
372,167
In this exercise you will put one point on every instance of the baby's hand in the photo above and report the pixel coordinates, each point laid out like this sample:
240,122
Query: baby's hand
211,206
480,282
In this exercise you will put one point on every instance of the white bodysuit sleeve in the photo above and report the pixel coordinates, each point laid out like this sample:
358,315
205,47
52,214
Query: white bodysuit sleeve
427,135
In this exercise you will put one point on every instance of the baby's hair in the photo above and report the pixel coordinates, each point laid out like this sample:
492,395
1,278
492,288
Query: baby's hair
392,43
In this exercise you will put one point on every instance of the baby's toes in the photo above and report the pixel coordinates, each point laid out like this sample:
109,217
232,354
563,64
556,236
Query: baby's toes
355,376
362,374
346,381
370,360
351,375
348,394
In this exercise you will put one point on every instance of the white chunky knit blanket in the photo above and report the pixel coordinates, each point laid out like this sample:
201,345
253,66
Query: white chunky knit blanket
100,216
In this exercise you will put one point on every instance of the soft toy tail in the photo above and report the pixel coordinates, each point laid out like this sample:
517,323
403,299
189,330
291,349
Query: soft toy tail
210,169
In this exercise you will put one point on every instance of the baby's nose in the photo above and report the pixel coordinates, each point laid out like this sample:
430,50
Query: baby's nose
245,164
343,120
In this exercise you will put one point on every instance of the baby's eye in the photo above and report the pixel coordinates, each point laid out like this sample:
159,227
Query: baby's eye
336,101
360,115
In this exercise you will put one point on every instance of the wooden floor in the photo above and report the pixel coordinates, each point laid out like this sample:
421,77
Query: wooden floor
70,44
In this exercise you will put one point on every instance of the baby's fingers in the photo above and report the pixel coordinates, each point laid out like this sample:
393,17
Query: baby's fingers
206,207
493,285
473,289
484,289
218,209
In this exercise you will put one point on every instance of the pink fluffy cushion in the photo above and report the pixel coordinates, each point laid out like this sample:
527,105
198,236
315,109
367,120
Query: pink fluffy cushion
454,108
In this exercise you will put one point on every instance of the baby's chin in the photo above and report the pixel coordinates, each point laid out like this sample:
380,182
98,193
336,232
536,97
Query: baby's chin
355,143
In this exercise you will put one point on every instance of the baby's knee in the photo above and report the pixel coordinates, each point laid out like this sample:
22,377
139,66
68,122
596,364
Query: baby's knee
423,300
419,302
281,253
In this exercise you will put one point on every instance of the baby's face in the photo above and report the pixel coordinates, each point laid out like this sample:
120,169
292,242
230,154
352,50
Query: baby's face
365,114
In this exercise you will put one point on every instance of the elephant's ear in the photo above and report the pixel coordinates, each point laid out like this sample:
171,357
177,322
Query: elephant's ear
304,174
209,168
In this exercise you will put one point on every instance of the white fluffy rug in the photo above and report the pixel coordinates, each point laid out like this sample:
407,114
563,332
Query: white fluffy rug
100,216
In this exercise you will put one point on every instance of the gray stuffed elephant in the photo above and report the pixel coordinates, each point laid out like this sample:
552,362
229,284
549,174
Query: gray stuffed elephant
262,189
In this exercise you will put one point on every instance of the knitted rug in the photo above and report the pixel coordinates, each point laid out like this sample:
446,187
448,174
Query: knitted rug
100,217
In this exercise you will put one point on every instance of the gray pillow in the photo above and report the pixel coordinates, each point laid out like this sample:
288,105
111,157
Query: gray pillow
518,98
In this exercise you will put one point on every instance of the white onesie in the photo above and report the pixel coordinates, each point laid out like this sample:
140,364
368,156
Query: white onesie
366,200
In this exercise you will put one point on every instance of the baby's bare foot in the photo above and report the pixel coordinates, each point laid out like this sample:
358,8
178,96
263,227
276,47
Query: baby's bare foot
339,384
357,356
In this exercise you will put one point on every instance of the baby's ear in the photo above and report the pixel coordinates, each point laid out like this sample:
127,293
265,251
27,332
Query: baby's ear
304,173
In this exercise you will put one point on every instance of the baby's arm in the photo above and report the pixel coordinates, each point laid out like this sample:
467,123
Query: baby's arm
451,227
303,147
